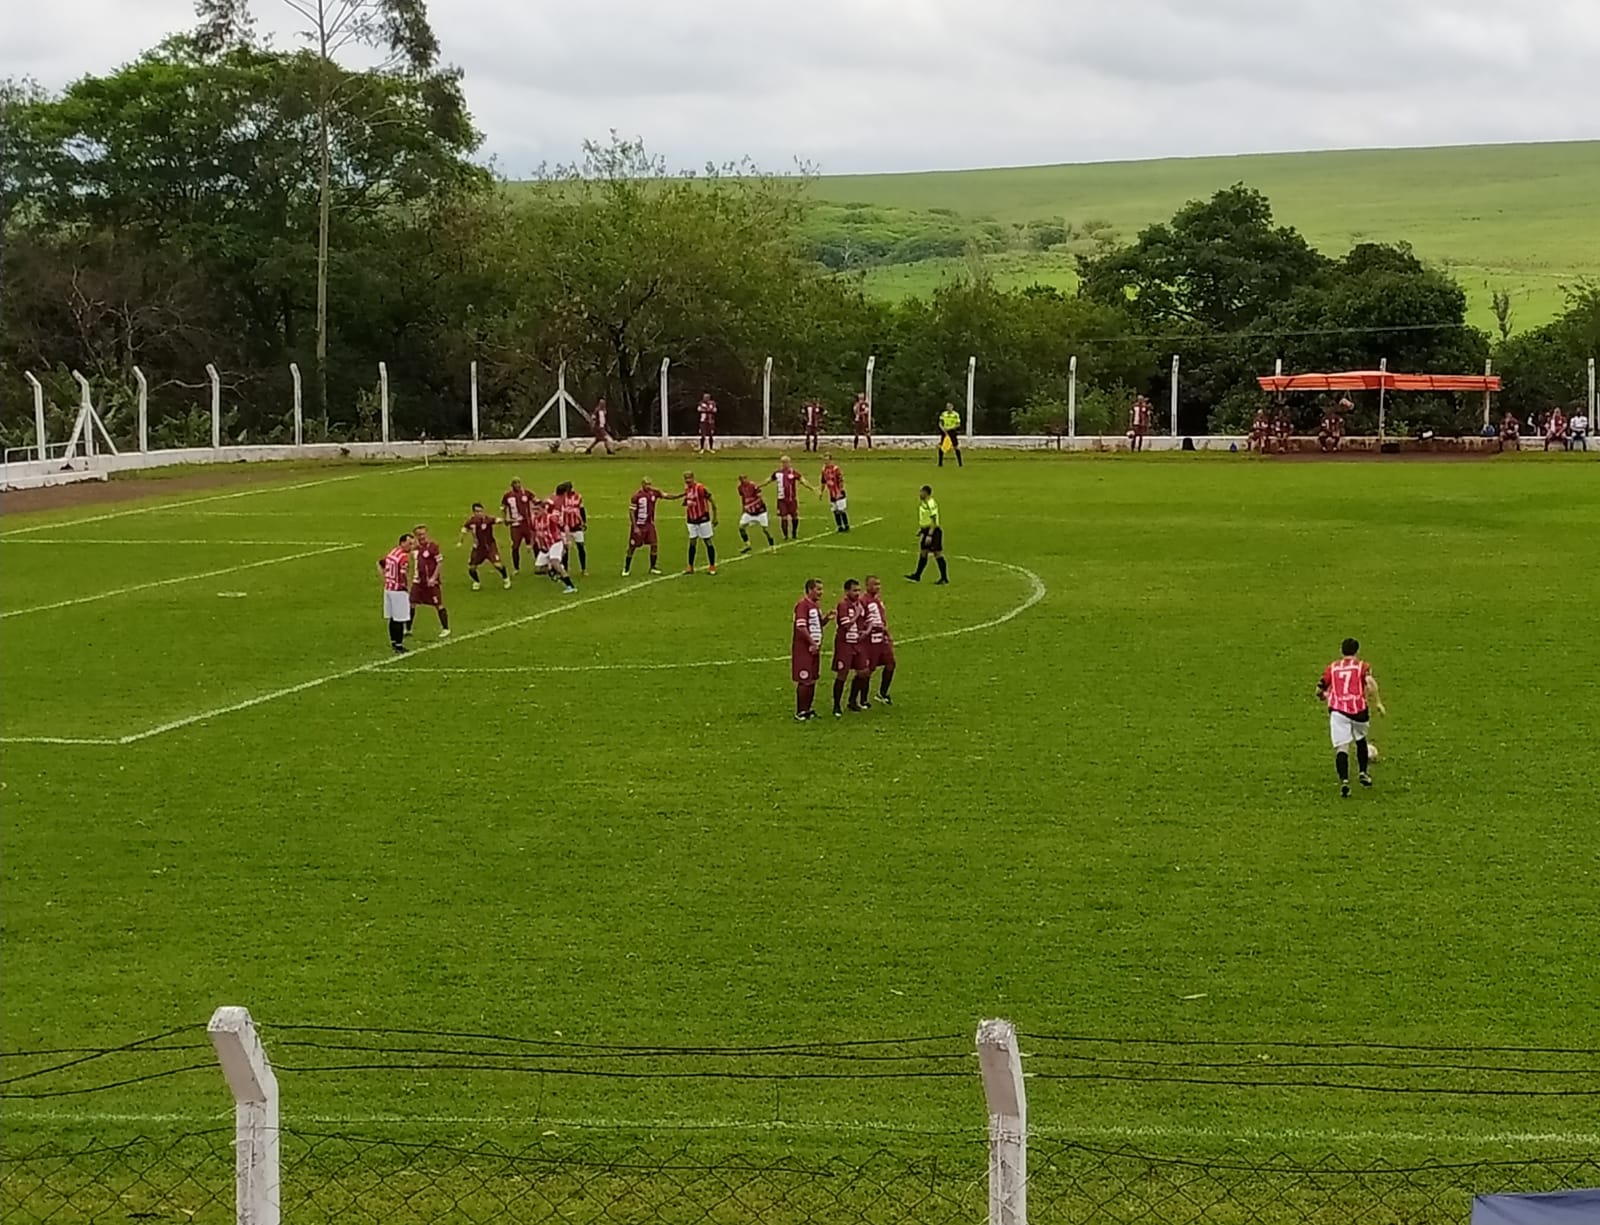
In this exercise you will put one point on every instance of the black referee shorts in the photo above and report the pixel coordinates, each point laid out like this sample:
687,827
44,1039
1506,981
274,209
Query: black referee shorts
933,540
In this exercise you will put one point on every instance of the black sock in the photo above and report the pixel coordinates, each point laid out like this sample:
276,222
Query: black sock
694,543
944,574
794,528
922,564
769,537
1341,762
472,573
397,632
941,457
958,457
838,691
502,570
886,681
516,559
711,554
566,581
844,520
653,559
1361,755
744,535
627,562
583,558
444,618
411,623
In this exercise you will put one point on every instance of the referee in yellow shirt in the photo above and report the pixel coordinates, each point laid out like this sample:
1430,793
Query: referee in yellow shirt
931,534
950,429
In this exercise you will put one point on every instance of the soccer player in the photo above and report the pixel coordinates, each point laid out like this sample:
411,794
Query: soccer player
700,510
833,484
861,418
788,482
550,537
813,424
1283,427
1332,430
1346,685
600,427
485,548
846,645
879,645
930,533
950,432
395,566
1260,431
708,422
642,524
517,503
426,587
753,511
1138,423
805,653
575,518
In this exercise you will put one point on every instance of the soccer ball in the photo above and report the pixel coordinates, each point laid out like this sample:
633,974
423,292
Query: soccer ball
1372,751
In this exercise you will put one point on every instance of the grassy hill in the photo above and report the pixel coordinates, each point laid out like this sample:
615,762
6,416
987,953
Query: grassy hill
1512,217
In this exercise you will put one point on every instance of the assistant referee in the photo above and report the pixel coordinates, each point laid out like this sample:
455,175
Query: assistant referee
950,427
931,535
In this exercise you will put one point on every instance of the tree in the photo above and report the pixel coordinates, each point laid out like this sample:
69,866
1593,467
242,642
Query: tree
399,27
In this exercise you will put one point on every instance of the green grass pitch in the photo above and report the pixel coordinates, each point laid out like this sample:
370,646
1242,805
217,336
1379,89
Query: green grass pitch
1112,814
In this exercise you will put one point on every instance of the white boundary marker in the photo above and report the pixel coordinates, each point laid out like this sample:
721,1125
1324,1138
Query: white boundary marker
1037,591
1102,1131
387,661
216,497
169,582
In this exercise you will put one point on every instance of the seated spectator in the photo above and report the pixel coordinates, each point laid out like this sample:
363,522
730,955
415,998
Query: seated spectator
1578,431
1488,430
1555,429
1510,432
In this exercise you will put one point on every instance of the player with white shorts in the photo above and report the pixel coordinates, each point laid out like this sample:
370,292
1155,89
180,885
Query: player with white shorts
1346,685
745,520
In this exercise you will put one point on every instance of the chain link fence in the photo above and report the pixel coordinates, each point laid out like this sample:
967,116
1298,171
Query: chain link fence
331,1178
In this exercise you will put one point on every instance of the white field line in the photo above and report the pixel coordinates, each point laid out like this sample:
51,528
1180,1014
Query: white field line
153,540
215,497
168,582
390,660
1102,1131
1036,592
361,514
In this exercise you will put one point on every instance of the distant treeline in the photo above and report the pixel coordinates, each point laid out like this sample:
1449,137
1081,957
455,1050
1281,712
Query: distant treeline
167,215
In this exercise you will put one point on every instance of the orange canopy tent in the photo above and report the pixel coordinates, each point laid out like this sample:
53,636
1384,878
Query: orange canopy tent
1379,380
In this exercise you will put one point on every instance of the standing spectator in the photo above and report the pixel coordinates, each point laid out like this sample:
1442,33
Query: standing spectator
708,422
861,417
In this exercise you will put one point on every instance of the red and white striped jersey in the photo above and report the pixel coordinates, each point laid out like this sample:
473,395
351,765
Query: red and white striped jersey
1345,685
397,569
696,502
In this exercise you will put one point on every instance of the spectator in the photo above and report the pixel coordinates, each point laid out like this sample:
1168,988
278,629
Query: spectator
1510,432
1555,429
1578,430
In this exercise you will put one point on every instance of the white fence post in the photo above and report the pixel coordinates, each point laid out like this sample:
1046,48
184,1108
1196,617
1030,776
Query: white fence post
299,415
474,401
1383,381
383,400
666,364
1072,397
766,399
38,408
85,417
216,405
1488,369
1174,395
144,410
255,1113
561,393
972,377
872,364
1001,1064
1592,428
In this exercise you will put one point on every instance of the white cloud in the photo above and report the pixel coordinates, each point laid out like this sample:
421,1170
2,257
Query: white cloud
857,85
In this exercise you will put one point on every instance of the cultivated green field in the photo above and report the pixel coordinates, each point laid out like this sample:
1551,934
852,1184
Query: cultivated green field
1109,813
1512,217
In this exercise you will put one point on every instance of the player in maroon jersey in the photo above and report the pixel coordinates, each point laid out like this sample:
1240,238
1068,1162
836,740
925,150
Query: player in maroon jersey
517,503
600,427
1346,685
1260,430
833,486
550,537
575,518
805,652
700,512
753,512
1282,427
427,586
861,420
485,548
707,412
1510,432
846,644
395,566
1138,423
788,482
642,524
1332,428
878,644
812,417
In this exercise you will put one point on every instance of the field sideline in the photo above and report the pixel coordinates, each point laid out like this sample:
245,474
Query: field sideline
1102,805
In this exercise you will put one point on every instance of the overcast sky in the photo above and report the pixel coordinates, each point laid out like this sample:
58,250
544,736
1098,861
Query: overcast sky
865,85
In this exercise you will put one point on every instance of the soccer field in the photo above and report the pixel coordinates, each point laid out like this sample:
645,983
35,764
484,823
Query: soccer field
1103,805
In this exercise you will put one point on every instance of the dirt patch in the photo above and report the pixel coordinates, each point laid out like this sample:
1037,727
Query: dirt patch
97,493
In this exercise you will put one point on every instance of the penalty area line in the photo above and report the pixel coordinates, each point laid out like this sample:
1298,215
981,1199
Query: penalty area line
390,661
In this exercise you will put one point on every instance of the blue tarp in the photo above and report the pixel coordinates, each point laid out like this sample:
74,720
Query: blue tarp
1549,1208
